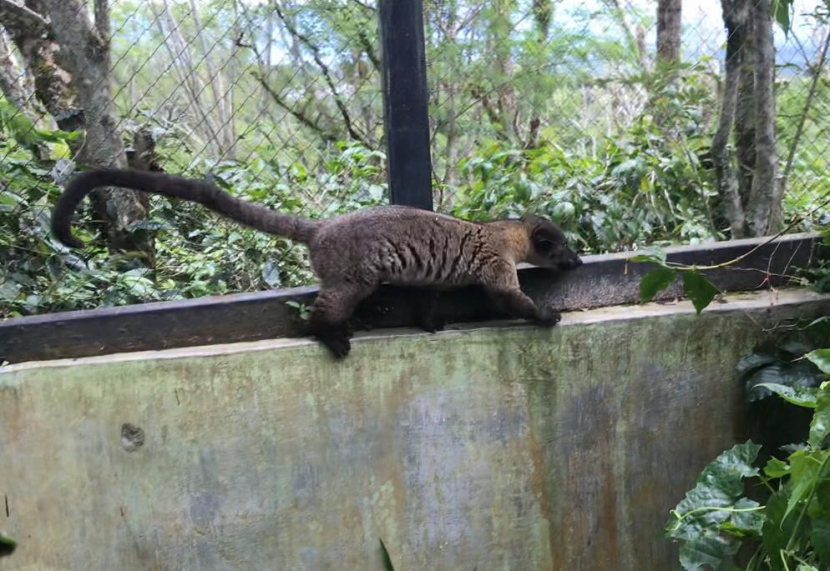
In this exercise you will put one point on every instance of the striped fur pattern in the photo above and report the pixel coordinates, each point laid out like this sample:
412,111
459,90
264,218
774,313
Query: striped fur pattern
352,254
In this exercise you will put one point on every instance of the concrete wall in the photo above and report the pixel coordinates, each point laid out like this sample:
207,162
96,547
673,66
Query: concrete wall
495,448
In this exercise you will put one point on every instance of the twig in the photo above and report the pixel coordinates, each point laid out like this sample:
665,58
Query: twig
792,225
301,117
315,53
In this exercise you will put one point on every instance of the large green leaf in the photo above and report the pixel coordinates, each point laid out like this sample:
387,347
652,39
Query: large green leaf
747,519
698,289
781,13
714,514
710,550
820,538
7,545
776,468
656,281
801,396
804,469
819,512
820,426
821,358
776,530
387,561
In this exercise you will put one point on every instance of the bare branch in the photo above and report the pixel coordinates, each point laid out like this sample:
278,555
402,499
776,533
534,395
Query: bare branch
735,21
315,52
365,6
483,97
631,35
369,49
299,115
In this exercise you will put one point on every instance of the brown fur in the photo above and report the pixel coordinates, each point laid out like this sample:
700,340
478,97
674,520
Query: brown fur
353,254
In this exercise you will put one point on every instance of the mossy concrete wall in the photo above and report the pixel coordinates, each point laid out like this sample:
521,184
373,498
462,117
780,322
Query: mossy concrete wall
493,448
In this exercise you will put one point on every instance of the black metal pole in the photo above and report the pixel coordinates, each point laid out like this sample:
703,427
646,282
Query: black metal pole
405,100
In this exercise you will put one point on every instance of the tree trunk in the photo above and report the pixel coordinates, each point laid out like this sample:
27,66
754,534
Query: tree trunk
542,15
269,46
734,17
21,100
86,50
33,37
765,203
499,107
753,195
745,112
668,31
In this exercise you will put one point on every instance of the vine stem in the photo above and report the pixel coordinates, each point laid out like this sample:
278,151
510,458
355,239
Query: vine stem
681,517
792,225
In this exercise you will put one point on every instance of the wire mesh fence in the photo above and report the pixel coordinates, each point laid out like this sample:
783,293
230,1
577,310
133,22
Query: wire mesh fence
559,107
565,106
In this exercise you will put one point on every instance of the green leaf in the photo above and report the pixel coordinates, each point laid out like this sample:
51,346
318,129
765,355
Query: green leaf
805,567
711,548
798,374
656,281
652,254
820,426
698,289
803,475
820,538
387,561
781,13
754,361
747,520
776,468
804,396
776,531
7,545
58,136
821,359
709,508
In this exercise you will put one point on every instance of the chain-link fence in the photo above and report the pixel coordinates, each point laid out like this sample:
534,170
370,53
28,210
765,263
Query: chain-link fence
567,106
556,106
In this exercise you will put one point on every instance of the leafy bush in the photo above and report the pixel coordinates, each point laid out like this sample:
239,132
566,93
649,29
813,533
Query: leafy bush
632,191
717,524
197,254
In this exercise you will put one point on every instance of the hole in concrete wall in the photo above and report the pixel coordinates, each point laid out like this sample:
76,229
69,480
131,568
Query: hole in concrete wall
132,437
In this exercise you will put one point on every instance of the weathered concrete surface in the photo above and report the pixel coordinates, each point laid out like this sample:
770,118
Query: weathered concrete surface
500,448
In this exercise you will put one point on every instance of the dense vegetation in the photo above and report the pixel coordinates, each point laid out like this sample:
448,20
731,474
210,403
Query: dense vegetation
768,508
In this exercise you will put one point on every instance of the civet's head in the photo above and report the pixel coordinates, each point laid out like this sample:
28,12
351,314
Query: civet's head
549,246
